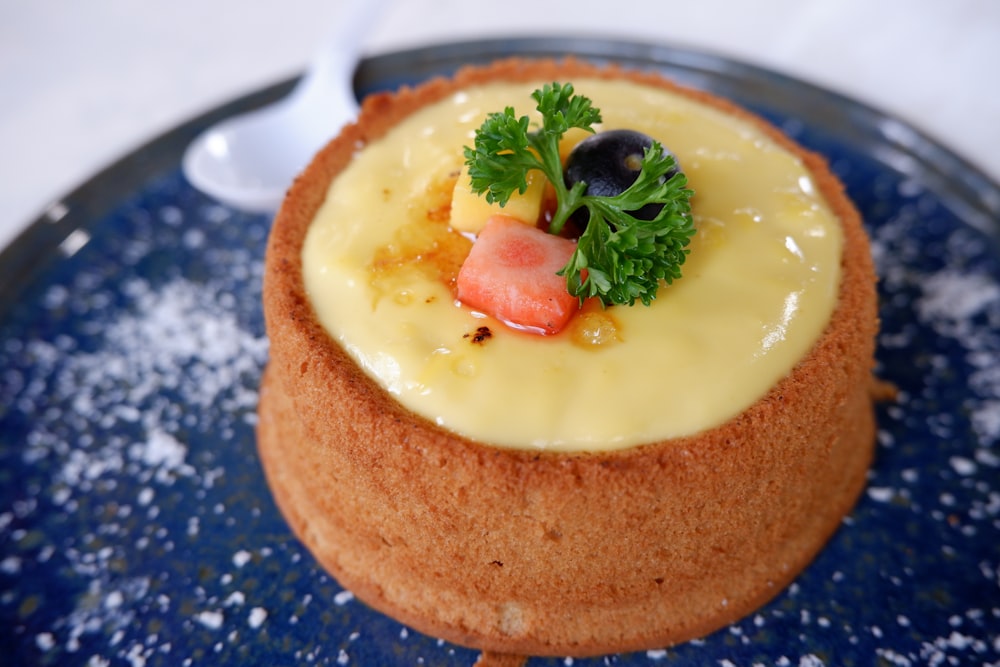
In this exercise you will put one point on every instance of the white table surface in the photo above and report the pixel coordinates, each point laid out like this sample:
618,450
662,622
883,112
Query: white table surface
84,83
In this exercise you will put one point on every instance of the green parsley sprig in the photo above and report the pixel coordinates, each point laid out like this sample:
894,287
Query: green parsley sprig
619,258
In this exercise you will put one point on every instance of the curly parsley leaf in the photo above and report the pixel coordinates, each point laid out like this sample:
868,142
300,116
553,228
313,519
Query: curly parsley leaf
619,258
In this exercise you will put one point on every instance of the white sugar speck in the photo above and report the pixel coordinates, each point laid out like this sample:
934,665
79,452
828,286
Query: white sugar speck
880,494
893,658
959,641
114,600
962,465
241,558
656,654
135,656
211,619
10,565
171,215
161,450
45,641
194,238
257,617
236,598
987,457
986,420
342,598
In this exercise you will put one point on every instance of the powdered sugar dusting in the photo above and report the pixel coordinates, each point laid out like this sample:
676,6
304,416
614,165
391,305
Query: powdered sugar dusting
957,299
172,349
965,306
953,297
136,402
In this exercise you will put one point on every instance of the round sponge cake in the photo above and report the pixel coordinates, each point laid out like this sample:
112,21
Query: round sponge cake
557,553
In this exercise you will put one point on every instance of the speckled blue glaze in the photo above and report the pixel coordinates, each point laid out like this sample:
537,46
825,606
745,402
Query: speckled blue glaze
136,527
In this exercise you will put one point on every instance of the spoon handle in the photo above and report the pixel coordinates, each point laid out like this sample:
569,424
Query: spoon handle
337,58
248,161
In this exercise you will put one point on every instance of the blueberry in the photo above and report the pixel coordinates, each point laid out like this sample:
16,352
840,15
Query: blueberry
609,162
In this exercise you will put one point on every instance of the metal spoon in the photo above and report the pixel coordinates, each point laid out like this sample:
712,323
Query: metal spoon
248,161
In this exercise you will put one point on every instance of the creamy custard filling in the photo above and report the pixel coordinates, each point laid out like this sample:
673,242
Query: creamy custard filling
758,289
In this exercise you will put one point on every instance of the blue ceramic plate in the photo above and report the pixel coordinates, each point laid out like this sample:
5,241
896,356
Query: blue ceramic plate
135,525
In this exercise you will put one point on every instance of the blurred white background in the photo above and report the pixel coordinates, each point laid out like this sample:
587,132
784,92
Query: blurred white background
83,83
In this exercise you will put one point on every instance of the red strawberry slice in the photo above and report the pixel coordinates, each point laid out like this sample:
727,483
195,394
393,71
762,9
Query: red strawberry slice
510,273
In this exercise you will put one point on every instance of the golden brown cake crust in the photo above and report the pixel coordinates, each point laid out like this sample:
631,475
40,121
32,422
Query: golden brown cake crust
534,553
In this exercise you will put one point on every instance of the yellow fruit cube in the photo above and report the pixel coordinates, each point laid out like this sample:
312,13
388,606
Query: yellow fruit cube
570,139
469,211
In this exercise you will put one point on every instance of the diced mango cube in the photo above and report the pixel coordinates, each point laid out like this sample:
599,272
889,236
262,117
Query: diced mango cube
469,211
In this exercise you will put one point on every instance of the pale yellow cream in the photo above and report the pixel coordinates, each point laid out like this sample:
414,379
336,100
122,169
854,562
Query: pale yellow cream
758,289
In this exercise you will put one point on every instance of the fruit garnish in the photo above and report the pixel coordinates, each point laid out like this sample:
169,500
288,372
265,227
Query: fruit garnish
469,211
608,163
510,273
619,256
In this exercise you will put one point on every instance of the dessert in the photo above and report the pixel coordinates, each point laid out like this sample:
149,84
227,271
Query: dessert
641,477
